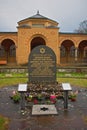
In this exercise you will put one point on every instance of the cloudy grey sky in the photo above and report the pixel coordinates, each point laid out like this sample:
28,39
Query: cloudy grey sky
68,13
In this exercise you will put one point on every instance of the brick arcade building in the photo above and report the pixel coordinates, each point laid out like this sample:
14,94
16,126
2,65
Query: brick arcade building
15,47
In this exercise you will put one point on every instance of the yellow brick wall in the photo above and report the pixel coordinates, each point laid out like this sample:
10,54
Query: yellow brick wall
25,36
51,36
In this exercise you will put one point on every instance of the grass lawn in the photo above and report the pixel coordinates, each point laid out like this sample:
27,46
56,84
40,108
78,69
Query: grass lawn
80,82
75,79
12,81
4,123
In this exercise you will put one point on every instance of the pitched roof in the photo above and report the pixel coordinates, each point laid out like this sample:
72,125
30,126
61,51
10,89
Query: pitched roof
37,16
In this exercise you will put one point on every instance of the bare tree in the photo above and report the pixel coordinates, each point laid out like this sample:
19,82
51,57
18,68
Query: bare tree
82,27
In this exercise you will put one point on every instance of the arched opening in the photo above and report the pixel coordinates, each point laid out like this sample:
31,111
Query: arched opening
8,51
82,51
67,52
37,41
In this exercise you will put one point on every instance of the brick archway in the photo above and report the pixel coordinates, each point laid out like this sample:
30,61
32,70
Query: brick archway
37,41
67,52
82,51
8,51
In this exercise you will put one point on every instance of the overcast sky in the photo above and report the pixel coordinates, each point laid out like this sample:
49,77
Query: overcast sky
68,13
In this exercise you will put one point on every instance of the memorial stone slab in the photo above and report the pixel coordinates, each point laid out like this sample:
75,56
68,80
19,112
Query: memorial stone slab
42,65
44,110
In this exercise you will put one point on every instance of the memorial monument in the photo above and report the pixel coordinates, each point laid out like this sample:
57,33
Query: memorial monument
42,80
42,69
42,76
42,65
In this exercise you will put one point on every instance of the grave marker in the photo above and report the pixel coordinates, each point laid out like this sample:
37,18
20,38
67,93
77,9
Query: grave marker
42,65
